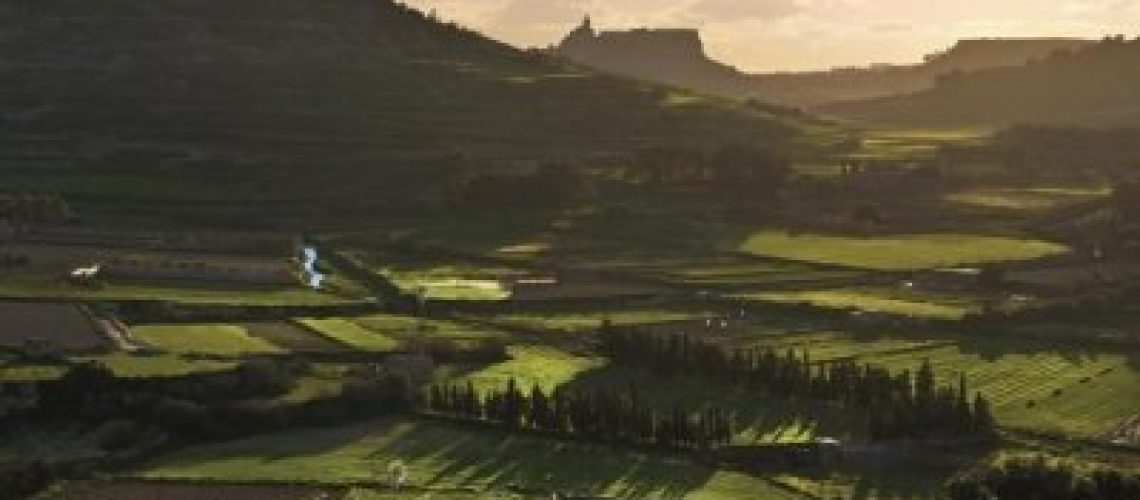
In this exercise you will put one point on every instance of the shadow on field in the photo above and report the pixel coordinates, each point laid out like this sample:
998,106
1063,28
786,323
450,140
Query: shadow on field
493,458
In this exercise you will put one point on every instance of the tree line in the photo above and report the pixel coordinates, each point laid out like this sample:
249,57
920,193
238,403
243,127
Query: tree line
898,405
742,174
549,185
193,407
604,415
1036,477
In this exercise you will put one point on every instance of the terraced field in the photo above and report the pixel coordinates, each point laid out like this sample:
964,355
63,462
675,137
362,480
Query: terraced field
1040,389
214,339
897,253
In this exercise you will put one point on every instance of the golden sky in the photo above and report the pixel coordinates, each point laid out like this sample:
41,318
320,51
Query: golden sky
769,35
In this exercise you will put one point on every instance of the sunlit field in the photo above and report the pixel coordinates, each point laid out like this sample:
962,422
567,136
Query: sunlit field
904,252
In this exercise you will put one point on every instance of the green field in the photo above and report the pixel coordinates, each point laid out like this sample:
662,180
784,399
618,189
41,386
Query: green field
897,253
912,144
12,372
445,456
452,281
410,328
220,340
882,300
545,366
350,333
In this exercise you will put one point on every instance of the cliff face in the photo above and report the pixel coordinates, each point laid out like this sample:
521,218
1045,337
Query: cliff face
677,57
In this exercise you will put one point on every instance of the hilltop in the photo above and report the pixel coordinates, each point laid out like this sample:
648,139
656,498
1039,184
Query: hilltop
678,57
292,107
1093,86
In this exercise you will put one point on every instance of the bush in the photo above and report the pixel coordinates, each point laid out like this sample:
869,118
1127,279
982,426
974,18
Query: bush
118,435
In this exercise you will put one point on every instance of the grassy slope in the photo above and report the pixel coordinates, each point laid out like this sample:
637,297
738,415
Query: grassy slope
223,340
1012,374
440,455
347,332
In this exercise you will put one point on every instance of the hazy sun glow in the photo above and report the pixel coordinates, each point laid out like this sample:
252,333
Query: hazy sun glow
767,35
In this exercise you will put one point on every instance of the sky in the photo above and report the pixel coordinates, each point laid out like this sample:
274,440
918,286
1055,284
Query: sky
779,35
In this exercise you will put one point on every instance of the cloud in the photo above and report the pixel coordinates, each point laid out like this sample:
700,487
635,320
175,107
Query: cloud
762,35
538,11
743,10
891,28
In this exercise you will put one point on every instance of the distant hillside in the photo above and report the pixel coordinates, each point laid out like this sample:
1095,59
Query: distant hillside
1096,85
201,106
846,84
677,57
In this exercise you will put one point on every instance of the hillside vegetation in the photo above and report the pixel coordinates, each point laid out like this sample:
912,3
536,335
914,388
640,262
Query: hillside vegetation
209,108
1094,85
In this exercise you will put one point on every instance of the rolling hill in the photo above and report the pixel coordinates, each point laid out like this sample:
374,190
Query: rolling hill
678,57
217,108
1093,86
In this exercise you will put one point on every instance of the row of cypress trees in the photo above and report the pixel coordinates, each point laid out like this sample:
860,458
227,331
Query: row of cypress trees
899,405
600,414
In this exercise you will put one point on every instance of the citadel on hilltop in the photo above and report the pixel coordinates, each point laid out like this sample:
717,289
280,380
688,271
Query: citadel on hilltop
674,56
656,45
